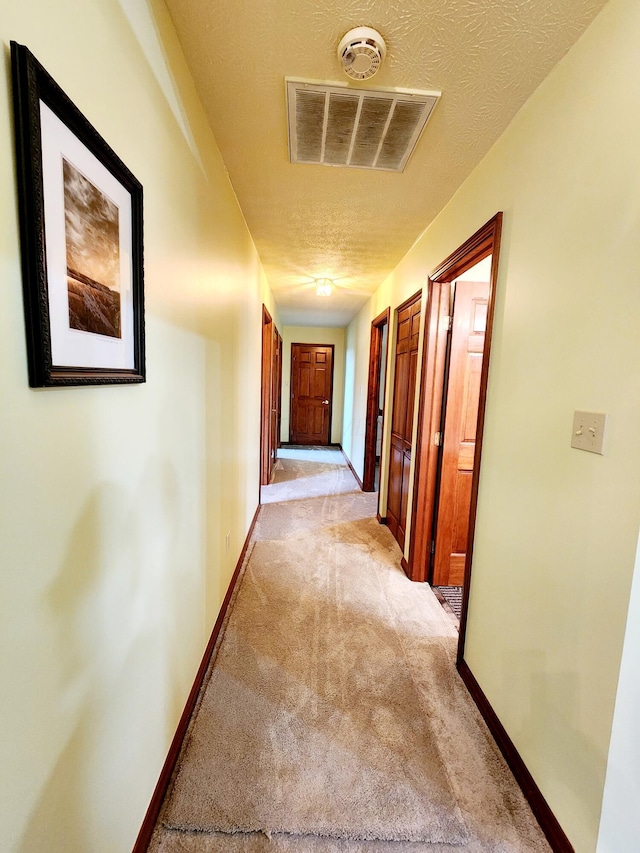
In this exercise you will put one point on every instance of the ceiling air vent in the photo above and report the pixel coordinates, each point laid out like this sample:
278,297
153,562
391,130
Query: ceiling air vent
362,128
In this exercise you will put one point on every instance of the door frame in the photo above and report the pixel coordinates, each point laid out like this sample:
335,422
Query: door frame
485,241
291,385
432,384
377,364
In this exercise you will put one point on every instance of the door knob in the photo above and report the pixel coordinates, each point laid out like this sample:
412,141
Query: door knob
325,402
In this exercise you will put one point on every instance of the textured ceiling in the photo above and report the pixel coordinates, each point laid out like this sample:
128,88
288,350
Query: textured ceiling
352,225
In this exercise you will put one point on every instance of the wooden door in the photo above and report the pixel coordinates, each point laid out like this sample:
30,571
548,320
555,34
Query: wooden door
311,389
375,398
267,449
406,365
461,418
275,391
279,393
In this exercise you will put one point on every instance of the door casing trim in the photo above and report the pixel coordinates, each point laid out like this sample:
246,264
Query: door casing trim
377,365
266,380
485,241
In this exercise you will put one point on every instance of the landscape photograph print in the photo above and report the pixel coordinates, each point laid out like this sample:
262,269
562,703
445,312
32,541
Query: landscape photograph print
93,255
81,234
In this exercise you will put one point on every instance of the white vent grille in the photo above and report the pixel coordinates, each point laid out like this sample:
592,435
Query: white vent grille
366,129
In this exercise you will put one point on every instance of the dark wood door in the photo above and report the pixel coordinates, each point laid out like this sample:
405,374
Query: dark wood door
406,365
311,388
375,398
267,449
460,422
275,392
278,403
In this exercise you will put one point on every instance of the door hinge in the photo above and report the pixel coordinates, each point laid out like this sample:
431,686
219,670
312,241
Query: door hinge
448,323
437,439
433,547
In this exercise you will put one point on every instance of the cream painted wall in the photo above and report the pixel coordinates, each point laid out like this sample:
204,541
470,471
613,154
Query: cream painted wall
620,824
556,528
115,502
314,335
356,384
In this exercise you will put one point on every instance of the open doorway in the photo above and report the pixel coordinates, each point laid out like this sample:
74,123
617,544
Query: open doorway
375,402
469,299
469,296
455,368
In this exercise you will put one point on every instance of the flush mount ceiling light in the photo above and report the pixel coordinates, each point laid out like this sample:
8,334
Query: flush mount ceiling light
361,52
324,286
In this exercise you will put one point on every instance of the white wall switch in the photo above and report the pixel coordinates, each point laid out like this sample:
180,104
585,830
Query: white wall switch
588,431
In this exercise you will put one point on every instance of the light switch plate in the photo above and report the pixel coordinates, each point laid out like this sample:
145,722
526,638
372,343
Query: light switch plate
588,431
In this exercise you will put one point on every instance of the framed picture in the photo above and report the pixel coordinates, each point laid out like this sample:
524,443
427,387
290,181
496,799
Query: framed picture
81,240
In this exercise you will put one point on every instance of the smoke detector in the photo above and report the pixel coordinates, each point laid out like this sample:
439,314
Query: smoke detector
361,52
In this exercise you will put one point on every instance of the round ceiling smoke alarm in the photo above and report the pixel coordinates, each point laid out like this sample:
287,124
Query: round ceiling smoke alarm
361,52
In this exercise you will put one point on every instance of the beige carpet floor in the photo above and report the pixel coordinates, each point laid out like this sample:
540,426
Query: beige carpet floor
332,717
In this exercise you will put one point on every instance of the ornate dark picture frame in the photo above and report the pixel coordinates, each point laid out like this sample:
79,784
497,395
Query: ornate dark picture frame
81,233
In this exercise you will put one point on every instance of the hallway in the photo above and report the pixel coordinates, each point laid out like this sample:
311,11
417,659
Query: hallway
332,717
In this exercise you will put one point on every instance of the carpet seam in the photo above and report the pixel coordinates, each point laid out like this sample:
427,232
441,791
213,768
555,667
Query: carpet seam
339,835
